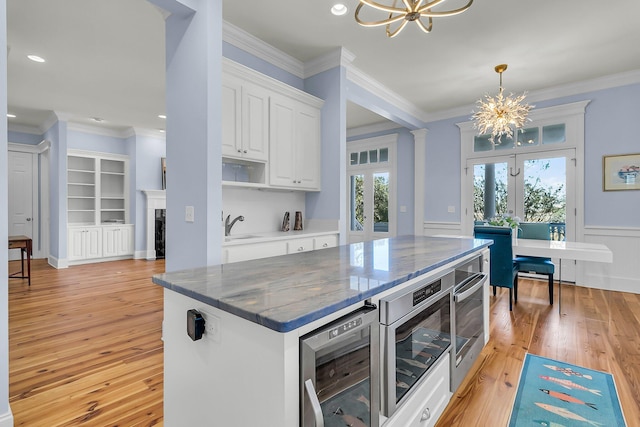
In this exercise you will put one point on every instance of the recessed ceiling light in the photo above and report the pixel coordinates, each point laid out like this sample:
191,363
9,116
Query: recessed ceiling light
339,9
161,130
35,58
11,116
96,119
162,116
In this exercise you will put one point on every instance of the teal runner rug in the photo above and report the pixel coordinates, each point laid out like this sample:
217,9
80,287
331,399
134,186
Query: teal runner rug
555,394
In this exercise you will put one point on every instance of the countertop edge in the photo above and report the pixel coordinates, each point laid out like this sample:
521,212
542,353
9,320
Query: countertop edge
303,320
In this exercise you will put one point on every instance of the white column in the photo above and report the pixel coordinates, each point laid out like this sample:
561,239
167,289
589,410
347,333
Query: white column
420,138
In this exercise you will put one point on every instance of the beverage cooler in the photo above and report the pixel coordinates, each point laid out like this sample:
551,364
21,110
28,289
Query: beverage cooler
340,373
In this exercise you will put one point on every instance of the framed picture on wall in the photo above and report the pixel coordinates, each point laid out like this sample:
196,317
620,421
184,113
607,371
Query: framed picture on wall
621,172
163,163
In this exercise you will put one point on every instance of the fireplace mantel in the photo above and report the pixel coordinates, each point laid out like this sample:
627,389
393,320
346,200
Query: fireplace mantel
156,199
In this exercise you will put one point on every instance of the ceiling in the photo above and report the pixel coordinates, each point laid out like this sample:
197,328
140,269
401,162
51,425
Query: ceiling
105,58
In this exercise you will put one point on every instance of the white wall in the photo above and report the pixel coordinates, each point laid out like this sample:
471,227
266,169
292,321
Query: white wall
263,210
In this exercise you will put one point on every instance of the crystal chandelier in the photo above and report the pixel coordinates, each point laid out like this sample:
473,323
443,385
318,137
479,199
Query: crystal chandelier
408,11
501,114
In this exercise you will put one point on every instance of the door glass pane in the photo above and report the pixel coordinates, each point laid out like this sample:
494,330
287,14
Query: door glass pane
545,193
357,203
381,202
528,137
373,156
363,157
482,143
553,134
384,155
354,159
504,143
489,190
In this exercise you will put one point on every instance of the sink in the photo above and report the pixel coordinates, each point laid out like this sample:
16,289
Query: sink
240,237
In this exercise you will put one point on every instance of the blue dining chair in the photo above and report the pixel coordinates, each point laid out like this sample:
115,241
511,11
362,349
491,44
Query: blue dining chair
503,269
532,264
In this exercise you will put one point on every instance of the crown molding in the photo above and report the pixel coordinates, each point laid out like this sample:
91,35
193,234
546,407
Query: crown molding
150,133
368,83
335,58
260,49
32,130
97,130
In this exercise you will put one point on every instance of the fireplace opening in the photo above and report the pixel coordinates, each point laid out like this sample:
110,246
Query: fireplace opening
160,221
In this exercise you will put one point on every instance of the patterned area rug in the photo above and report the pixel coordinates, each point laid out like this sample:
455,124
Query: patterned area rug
555,394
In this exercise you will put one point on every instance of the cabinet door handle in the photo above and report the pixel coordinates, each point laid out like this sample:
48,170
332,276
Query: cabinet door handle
301,248
239,150
426,414
325,245
315,403
244,151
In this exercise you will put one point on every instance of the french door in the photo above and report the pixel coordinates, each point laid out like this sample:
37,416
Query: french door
371,189
536,187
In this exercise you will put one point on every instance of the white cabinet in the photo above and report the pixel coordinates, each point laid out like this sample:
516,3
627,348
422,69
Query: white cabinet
300,245
97,206
295,144
254,251
117,240
84,243
245,120
324,242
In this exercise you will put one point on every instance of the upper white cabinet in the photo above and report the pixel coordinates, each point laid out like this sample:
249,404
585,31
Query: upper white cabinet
295,144
270,132
245,120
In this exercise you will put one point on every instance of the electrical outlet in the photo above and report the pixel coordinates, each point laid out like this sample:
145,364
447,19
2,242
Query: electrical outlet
211,326
189,214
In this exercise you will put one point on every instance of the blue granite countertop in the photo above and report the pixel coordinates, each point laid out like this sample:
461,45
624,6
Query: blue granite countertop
286,292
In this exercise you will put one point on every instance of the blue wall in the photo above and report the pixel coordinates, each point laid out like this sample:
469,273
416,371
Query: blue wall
77,140
610,128
24,138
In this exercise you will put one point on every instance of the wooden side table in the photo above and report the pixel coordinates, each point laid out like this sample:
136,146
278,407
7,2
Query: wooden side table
24,244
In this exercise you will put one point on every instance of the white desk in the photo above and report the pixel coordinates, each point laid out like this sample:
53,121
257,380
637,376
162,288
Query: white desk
578,251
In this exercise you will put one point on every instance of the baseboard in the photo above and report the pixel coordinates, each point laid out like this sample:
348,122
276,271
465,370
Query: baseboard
57,263
140,255
6,419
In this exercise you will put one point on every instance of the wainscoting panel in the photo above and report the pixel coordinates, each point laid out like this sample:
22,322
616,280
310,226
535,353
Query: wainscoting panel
442,228
624,273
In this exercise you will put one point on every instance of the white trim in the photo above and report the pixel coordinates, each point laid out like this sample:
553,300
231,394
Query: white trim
58,263
419,157
335,58
97,130
98,154
6,419
45,217
374,128
156,199
28,148
376,88
632,232
260,49
431,228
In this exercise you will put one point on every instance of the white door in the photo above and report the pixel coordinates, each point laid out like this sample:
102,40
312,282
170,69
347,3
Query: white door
20,196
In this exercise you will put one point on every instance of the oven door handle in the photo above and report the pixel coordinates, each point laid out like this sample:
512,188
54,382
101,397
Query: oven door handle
459,297
315,403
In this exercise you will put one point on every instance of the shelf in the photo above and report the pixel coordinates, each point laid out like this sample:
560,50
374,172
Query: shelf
111,210
88,184
244,184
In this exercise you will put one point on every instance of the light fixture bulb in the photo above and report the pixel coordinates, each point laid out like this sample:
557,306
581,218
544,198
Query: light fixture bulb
36,58
11,116
162,116
339,9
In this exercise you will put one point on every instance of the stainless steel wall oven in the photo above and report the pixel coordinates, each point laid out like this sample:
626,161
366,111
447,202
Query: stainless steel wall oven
468,309
339,378
416,333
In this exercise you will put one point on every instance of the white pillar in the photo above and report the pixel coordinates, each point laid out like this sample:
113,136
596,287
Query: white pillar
420,139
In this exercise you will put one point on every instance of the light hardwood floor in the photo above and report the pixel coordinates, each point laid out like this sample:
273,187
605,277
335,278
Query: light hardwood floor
85,348
84,345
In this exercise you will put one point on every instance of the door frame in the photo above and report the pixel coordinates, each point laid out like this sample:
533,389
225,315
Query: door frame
40,187
386,141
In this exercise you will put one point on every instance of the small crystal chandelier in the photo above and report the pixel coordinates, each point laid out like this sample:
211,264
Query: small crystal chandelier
502,114
410,11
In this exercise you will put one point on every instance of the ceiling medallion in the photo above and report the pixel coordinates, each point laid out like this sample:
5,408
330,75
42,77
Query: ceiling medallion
409,11
500,115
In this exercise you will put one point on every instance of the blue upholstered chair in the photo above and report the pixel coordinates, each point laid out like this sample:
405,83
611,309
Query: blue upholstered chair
503,270
532,264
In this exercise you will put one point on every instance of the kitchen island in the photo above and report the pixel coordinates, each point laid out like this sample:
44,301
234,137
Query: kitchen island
245,370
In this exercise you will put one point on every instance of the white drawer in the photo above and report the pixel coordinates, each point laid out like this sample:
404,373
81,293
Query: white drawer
323,242
428,402
300,245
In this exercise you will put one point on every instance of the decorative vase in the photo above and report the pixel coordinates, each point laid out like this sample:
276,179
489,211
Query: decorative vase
297,225
285,222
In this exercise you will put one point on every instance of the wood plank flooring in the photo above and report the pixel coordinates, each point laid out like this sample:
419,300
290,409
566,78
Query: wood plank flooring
84,345
85,348
598,329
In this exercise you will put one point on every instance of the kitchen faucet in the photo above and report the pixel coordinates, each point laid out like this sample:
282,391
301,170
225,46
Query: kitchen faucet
227,225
